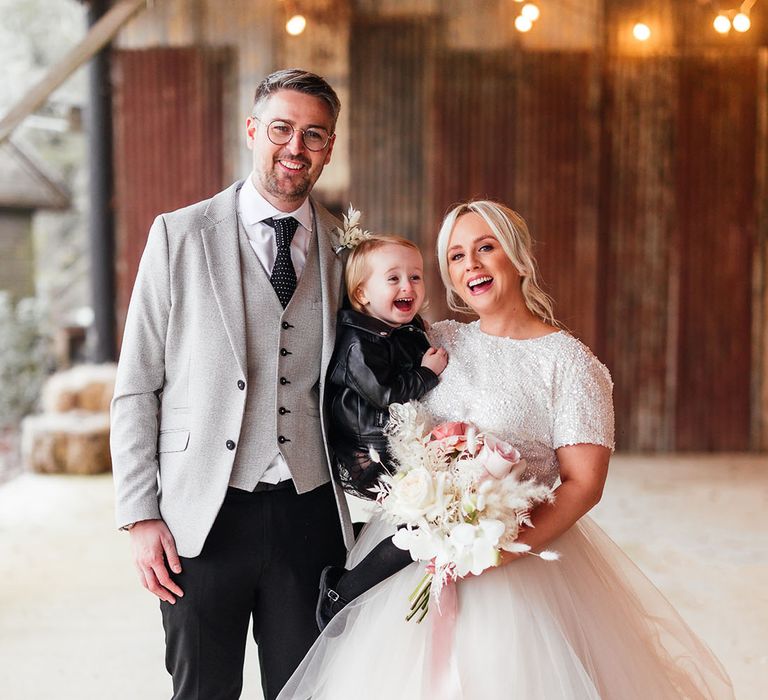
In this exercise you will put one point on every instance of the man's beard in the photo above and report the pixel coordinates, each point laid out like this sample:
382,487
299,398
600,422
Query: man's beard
290,189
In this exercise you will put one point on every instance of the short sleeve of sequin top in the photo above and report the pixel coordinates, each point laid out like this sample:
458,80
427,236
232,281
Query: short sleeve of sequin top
443,333
583,400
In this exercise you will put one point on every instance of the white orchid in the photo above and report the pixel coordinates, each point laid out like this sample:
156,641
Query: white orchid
421,543
475,547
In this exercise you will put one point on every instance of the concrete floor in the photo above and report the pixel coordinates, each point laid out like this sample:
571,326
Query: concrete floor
75,624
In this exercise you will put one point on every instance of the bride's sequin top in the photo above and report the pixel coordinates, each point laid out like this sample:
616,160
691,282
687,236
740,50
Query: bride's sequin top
538,394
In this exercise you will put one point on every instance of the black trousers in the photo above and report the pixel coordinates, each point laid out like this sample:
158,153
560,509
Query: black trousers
262,559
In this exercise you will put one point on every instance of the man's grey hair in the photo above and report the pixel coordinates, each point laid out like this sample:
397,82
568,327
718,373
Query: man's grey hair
300,81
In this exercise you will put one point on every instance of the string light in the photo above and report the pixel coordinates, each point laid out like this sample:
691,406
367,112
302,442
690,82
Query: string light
722,24
296,25
641,31
733,18
741,22
523,24
531,12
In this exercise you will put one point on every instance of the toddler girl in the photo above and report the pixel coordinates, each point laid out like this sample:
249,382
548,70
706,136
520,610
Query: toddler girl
382,356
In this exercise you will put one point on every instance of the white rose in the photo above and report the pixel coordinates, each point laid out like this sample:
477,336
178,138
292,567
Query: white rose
414,494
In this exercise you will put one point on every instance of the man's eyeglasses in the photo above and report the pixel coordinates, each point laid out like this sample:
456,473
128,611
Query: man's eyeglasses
280,133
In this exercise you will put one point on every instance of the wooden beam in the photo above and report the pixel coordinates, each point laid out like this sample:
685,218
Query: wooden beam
97,37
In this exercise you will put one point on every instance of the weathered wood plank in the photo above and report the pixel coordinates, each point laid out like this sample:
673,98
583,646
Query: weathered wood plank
97,37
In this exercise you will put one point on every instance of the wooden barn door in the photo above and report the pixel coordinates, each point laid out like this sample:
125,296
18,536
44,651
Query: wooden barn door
169,130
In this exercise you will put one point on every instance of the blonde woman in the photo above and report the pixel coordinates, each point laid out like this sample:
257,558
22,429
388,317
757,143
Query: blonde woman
587,627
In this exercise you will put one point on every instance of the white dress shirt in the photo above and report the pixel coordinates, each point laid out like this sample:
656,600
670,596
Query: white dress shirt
252,209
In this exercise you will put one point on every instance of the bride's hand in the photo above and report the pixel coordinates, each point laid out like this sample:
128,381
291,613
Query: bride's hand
509,557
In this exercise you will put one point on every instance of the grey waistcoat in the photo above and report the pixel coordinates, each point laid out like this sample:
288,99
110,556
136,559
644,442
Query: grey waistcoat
283,349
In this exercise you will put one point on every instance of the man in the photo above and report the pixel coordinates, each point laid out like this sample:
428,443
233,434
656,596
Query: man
220,463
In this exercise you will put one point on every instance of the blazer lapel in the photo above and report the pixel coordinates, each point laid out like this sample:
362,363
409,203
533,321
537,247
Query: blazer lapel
331,278
222,253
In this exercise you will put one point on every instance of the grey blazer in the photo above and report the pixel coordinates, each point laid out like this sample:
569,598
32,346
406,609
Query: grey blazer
187,303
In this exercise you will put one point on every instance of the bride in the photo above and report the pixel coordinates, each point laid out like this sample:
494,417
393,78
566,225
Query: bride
589,626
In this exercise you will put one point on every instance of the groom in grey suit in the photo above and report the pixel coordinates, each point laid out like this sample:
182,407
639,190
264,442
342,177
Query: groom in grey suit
218,435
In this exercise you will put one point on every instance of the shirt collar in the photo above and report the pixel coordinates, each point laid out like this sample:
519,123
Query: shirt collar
254,208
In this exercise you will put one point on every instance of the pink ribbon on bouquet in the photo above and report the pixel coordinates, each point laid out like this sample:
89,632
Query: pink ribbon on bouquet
444,682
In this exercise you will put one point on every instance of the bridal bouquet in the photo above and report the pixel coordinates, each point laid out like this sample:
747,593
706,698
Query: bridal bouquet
458,494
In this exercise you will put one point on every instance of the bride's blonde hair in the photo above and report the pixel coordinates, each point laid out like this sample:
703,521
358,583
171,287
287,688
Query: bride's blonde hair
511,231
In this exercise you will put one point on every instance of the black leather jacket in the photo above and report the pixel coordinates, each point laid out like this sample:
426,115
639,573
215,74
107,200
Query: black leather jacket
373,365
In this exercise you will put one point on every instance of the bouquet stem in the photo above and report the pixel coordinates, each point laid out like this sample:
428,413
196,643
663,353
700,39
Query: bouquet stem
420,598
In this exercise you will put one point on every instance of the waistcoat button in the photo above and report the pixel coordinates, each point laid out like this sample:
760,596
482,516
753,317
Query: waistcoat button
240,384
283,380
282,439
230,444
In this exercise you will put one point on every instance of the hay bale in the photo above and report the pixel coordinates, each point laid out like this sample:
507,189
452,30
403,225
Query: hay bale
66,443
82,388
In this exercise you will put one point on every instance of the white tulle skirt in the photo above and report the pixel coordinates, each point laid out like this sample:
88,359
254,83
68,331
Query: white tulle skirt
590,626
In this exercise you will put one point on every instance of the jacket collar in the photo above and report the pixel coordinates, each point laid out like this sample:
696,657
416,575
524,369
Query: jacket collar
354,319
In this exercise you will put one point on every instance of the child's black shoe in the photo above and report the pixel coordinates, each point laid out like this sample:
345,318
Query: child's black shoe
329,602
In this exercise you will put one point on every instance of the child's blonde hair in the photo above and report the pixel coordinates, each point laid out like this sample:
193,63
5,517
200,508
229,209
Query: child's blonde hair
357,270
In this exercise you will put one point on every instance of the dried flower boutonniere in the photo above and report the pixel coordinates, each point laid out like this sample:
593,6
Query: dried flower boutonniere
350,235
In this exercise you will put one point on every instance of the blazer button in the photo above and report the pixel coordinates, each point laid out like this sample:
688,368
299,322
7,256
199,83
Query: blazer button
240,384
230,444
283,380
286,325
282,439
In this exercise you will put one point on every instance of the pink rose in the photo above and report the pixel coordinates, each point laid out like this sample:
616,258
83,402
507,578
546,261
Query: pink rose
498,457
454,433
449,429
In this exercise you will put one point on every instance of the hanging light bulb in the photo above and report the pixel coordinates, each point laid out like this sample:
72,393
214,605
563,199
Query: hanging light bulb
523,24
741,22
531,12
722,24
296,25
641,31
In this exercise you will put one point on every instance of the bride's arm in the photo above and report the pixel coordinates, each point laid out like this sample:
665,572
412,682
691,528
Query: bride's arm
583,470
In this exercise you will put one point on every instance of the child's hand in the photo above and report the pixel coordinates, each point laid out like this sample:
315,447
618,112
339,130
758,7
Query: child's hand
435,359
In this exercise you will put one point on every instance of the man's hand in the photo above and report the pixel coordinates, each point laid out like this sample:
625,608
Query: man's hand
435,359
153,545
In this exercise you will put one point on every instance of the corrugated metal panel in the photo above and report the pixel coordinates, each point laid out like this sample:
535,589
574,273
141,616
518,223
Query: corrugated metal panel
388,171
169,134
637,177
389,127
716,218
522,129
638,232
556,129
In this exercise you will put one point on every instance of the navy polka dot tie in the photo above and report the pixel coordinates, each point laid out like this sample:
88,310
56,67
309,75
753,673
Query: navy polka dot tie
283,277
